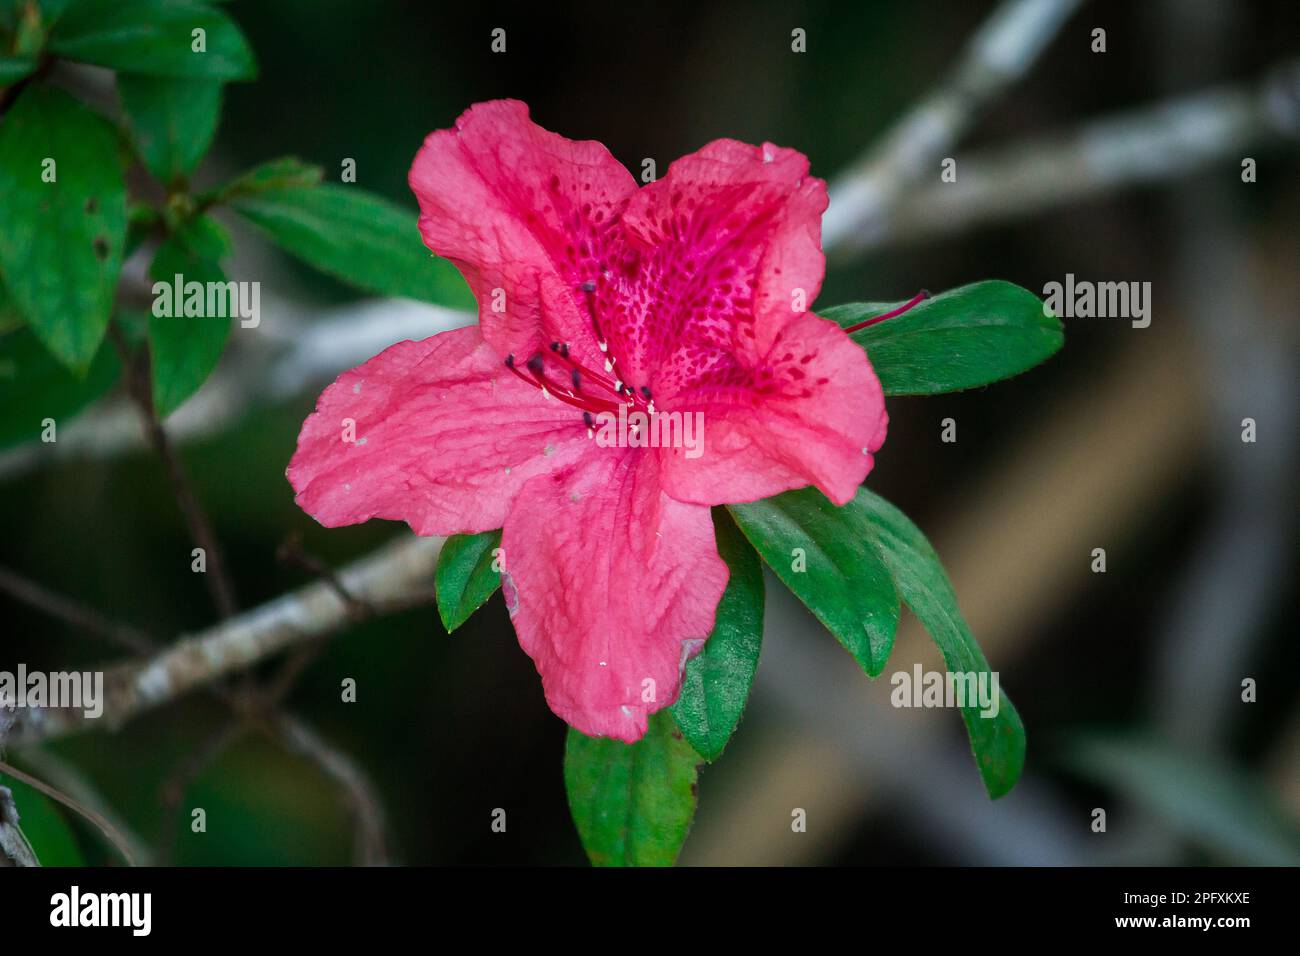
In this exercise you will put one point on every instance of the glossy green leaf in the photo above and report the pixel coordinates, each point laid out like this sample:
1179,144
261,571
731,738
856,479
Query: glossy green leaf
359,238
206,238
716,682
464,579
172,121
185,348
962,338
1220,807
154,37
10,317
34,387
826,557
632,803
998,741
14,68
61,241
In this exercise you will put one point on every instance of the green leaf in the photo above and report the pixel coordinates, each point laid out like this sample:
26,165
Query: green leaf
172,121
825,555
14,68
141,222
359,238
153,37
10,317
184,349
287,172
465,579
34,387
206,238
1211,803
998,741
962,338
632,803
30,21
715,686
61,242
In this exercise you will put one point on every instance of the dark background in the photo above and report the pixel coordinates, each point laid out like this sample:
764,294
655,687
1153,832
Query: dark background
450,728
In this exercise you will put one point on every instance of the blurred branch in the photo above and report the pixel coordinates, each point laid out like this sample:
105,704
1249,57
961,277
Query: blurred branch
139,387
363,803
1155,144
391,579
104,827
253,708
999,54
73,612
172,793
294,348
73,782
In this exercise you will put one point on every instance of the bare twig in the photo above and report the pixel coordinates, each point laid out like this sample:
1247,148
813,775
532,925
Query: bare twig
363,803
393,578
138,385
106,828
255,708
172,793
288,353
997,56
1154,144
68,778
73,612
291,552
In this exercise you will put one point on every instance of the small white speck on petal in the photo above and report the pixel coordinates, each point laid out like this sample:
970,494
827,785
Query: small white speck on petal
356,389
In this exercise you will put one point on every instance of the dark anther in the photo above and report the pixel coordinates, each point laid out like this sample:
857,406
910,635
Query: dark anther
645,390
587,419
577,379
555,346
564,349
535,364
510,361
925,293
588,286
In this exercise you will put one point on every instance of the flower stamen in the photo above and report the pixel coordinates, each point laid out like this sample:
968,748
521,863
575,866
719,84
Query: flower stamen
905,307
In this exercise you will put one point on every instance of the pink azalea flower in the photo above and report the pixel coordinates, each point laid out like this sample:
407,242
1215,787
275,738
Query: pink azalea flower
685,295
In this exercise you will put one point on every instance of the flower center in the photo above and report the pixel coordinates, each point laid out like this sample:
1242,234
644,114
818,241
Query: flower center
566,379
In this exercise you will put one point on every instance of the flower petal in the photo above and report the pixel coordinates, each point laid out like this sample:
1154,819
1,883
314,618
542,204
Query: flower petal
443,437
812,413
723,252
612,586
527,216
